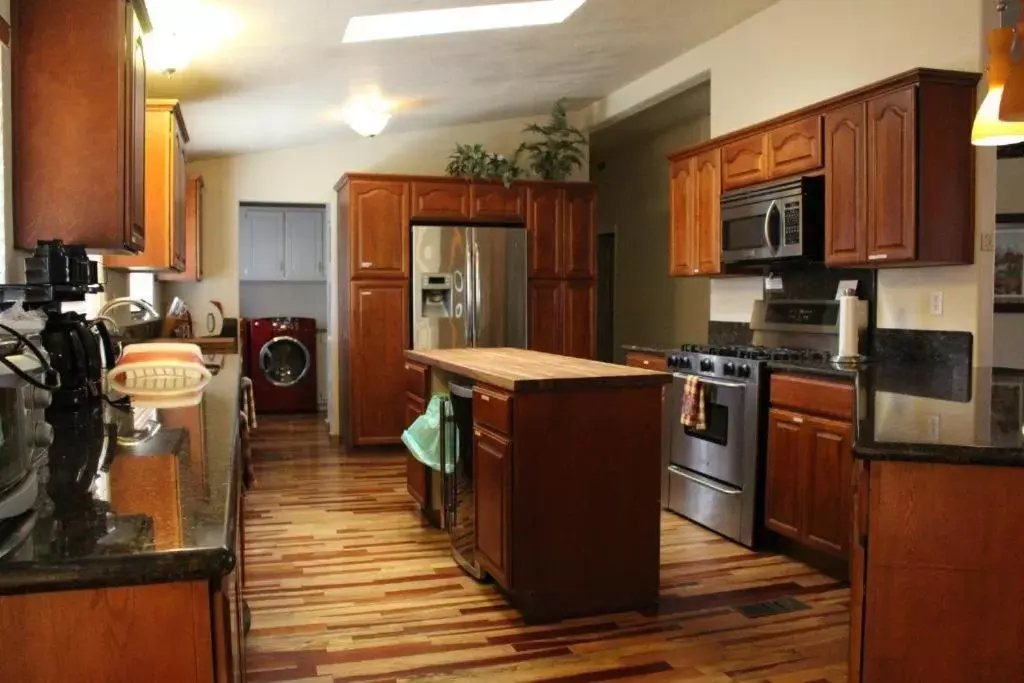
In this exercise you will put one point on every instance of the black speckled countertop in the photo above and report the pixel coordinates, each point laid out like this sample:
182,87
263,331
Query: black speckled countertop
952,414
131,497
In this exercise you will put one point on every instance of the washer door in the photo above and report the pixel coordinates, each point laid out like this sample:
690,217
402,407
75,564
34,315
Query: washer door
284,361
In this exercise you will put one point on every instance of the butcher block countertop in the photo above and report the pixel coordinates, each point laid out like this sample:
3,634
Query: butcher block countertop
522,370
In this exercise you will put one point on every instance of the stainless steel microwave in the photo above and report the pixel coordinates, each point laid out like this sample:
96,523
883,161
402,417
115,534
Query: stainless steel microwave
776,221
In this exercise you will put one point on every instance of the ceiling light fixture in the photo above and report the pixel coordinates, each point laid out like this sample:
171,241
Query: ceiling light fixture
458,20
183,30
367,115
988,129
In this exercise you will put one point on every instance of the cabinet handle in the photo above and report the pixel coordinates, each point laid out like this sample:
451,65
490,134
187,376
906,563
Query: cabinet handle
366,264
477,432
407,367
646,363
877,257
485,398
365,293
798,420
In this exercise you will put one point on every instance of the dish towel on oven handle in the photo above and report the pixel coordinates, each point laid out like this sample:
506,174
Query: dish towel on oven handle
693,415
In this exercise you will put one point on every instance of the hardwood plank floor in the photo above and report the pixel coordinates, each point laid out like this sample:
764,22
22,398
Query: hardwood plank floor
346,584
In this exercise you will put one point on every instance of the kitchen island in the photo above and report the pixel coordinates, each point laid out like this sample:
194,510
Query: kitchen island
129,567
567,475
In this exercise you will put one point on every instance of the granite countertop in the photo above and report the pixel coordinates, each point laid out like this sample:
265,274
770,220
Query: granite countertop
522,370
131,497
952,415
653,350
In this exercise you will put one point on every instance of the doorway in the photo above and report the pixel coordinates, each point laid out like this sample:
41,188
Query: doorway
605,296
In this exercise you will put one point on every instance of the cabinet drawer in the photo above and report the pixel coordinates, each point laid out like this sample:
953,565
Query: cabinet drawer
814,396
493,409
647,361
416,378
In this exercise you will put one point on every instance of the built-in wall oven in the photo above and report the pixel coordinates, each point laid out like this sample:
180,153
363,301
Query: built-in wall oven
713,472
776,221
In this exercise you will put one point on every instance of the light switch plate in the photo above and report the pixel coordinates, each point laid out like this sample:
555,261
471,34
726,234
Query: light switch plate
936,303
988,241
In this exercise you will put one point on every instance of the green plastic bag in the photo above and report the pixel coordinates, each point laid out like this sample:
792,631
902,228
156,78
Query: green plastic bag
423,437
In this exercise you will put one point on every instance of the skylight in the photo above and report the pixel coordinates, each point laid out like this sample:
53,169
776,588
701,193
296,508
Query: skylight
459,20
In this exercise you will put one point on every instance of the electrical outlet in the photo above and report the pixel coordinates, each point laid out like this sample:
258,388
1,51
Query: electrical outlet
934,427
936,306
988,241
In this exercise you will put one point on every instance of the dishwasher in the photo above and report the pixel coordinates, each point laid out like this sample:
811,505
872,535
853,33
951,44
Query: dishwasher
457,466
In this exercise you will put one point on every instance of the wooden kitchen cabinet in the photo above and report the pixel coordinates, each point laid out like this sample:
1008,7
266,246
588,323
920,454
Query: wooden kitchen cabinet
579,318
683,212
808,494
493,202
846,181
446,200
165,196
795,148
193,271
379,335
378,227
544,312
83,183
579,241
647,361
892,152
708,221
745,161
544,221
493,491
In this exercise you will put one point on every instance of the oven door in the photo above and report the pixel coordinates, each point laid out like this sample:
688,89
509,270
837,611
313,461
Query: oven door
717,450
751,231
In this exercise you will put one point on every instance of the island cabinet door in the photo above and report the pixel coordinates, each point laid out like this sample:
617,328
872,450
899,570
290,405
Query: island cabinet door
783,507
415,472
379,335
493,485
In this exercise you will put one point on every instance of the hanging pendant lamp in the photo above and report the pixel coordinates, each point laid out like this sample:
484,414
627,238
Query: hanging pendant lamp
1011,108
988,129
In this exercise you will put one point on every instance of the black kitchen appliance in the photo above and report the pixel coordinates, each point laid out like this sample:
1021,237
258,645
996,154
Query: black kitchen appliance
774,222
79,351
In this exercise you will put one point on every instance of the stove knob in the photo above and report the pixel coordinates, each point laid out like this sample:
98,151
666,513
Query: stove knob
729,368
671,361
706,365
744,370
685,362
42,435
40,399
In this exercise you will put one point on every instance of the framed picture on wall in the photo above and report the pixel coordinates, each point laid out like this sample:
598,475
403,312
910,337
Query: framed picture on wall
1008,280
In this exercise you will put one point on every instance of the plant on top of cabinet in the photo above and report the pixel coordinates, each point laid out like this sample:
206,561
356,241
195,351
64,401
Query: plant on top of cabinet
165,202
78,104
561,151
474,162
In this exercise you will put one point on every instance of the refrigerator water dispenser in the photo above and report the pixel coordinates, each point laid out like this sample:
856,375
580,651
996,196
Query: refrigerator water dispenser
436,292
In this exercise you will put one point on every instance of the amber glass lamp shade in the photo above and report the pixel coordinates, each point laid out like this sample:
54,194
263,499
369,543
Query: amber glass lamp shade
1011,108
988,129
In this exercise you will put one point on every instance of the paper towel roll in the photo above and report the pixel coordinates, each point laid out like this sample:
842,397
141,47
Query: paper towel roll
848,332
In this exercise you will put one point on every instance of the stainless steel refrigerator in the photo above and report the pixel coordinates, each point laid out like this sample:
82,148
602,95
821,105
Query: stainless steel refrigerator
468,287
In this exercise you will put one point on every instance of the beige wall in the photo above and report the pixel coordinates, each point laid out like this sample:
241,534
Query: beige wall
853,43
307,174
650,307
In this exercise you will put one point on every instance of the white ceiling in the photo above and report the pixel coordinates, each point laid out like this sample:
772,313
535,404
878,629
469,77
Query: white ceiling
276,82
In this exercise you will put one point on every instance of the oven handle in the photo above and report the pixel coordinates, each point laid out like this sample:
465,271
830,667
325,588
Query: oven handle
767,237
702,481
714,382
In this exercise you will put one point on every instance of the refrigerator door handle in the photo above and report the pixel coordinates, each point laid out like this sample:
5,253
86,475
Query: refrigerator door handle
469,317
477,312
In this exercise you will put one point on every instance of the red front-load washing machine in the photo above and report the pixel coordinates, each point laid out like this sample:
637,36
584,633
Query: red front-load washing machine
282,363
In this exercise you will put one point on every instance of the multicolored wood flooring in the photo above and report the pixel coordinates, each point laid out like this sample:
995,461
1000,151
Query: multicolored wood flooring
346,584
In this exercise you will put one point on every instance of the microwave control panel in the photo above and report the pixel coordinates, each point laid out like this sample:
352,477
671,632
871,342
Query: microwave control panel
791,222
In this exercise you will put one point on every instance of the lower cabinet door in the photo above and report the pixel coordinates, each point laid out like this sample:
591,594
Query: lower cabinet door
545,315
380,334
827,493
783,507
579,304
415,472
493,484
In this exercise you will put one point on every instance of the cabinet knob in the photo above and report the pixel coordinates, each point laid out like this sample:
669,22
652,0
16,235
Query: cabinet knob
485,398
798,420
877,257
477,432
646,363
365,293
366,264
407,367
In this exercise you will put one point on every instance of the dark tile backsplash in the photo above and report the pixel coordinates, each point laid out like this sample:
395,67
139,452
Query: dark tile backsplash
819,282
725,333
922,347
